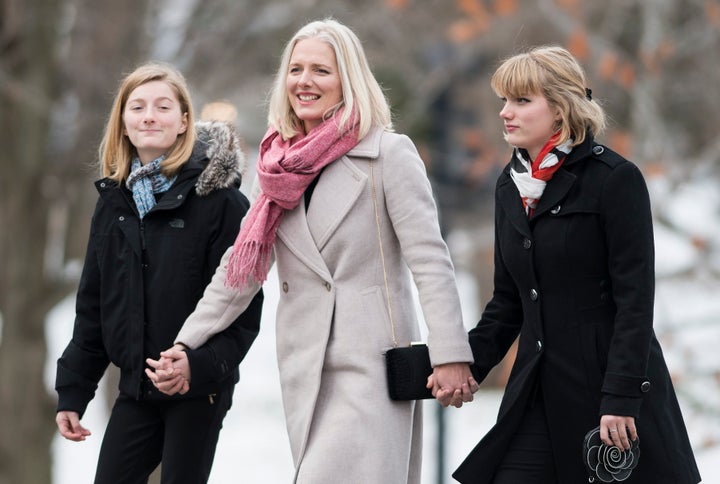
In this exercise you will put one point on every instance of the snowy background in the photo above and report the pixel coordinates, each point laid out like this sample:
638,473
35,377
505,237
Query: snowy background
253,447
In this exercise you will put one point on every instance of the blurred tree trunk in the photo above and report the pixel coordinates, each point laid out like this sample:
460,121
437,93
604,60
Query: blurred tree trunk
45,189
28,66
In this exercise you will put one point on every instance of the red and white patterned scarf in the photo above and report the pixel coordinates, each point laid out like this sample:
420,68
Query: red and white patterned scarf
531,177
285,168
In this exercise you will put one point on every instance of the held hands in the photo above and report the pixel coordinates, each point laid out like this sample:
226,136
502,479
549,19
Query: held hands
171,372
452,384
618,431
68,423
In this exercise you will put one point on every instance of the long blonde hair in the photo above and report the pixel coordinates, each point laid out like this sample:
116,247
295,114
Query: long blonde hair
116,151
552,72
361,92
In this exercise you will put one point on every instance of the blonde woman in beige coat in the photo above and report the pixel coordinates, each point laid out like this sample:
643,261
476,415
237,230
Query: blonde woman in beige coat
328,148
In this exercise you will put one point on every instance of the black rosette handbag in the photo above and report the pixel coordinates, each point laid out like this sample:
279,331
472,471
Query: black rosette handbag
608,463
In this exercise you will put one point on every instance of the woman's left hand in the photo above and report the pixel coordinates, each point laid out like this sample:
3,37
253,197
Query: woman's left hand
618,431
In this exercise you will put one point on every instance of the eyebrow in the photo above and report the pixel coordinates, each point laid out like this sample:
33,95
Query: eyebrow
312,64
163,98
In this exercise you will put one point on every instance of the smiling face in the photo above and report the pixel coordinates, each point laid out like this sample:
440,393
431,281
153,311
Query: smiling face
153,119
313,81
529,121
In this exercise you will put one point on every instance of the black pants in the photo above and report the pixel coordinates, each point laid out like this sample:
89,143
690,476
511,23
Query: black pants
529,458
182,434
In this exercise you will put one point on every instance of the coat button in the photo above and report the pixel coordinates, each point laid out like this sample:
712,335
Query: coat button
645,386
121,218
598,150
533,294
555,210
179,197
328,286
527,243
285,287
538,346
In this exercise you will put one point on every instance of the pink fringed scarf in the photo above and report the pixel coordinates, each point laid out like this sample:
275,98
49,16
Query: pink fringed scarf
284,170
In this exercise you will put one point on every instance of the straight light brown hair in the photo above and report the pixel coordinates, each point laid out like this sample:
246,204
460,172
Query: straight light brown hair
116,151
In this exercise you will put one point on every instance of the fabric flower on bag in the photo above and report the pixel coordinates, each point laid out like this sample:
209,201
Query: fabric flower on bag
609,463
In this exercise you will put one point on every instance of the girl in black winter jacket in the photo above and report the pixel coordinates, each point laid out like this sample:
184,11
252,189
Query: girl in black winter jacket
574,284
169,206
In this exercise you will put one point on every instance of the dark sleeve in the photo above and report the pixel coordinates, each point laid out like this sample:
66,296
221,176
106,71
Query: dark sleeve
631,261
220,356
84,360
502,318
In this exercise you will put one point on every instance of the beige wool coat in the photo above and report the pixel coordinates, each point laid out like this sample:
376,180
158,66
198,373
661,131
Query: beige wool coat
332,318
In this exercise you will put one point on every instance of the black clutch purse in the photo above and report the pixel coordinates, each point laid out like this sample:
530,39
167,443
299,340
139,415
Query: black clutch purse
608,463
407,371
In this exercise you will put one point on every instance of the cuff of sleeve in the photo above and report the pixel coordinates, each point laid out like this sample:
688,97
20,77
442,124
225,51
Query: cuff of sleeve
74,401
201,366
450,354
625,406
626,386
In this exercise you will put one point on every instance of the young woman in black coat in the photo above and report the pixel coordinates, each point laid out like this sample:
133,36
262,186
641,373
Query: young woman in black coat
169,206
574,280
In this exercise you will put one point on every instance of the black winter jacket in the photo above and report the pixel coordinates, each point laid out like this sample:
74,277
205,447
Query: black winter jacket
576,283
142,278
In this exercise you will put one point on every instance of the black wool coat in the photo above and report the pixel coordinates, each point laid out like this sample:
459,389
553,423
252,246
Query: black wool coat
143,277
575,282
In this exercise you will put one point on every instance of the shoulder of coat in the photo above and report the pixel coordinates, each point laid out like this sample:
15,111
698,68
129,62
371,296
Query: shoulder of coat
607,156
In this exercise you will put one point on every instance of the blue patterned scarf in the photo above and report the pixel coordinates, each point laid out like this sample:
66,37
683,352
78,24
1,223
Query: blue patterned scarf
145,181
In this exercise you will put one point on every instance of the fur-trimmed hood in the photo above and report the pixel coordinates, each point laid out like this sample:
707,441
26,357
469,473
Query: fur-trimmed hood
218,145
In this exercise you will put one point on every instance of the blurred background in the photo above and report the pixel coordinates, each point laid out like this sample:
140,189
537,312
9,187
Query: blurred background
653,64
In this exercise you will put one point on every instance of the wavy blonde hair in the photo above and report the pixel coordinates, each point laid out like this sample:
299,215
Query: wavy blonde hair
552,72
116,151
361,92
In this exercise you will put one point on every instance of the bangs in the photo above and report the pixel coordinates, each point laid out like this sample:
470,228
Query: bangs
517,77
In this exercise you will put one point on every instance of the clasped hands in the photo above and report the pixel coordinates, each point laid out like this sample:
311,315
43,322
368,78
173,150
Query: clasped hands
451,383
171,372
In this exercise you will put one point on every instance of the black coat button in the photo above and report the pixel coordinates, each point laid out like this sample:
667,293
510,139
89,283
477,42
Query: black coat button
598,150
527,243
645,386
533,294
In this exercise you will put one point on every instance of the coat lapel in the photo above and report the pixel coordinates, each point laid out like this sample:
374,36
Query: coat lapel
509,199
563,180
295,233
335,194
555,191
